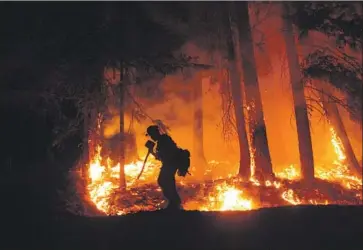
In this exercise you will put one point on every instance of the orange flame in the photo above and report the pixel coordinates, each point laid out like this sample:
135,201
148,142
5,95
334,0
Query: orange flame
103,181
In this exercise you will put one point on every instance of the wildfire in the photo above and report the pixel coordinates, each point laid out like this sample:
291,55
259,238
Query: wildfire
216,195
100,186
340,173
104,178
337,144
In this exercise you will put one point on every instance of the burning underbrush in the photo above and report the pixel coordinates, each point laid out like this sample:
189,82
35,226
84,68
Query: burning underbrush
220,190
334,185
232,195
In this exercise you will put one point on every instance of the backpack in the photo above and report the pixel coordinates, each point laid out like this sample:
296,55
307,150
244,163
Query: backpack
183,162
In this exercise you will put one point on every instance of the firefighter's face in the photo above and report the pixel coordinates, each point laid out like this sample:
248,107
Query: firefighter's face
154,135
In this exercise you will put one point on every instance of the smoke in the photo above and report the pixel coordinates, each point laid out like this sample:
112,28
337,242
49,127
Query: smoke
174,106
277,95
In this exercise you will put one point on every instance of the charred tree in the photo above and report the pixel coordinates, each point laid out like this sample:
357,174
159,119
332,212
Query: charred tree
332,113
256,123
121,156
301,113
235,72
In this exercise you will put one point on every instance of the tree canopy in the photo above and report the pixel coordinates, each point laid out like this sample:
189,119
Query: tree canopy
342,21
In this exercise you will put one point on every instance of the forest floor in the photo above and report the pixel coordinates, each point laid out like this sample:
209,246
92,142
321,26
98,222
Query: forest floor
290,228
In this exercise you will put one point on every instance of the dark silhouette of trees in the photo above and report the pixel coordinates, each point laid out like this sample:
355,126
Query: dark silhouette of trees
330,66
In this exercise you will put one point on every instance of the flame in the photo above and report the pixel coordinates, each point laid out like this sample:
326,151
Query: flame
340,173
225,197
291,197
337,144
289,173
103,179
215,196
253,165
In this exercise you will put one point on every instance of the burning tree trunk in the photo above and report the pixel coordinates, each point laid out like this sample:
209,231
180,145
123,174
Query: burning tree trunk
85,146
332,113
235,70
301,114
256,123
198,147
122,87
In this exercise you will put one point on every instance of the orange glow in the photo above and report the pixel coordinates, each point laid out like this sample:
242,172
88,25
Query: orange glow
218,189
215,196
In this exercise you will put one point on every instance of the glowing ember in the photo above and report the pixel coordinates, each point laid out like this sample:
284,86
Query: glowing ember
290,197
253,165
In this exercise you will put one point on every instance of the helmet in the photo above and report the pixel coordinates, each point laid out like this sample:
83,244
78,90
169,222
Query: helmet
152,130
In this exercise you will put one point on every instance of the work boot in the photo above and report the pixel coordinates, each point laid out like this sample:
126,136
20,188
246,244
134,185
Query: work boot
174,207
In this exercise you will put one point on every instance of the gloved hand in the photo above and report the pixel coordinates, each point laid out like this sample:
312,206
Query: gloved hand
150,145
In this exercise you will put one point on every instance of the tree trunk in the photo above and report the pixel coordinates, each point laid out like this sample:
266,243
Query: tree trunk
235,70
85,146
122,129
256,123
198,147
301,114
332,113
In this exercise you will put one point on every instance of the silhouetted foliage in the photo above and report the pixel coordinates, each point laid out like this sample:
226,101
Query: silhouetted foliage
65,49
345,78
339,20
342,21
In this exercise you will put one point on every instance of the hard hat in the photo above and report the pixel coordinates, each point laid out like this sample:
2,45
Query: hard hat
152,130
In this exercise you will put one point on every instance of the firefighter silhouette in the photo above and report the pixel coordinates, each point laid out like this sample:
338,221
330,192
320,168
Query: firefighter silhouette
166,152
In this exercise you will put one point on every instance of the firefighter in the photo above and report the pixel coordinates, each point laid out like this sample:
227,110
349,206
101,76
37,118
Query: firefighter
166,152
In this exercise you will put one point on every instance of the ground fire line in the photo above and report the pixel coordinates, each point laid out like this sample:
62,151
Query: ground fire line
335,185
